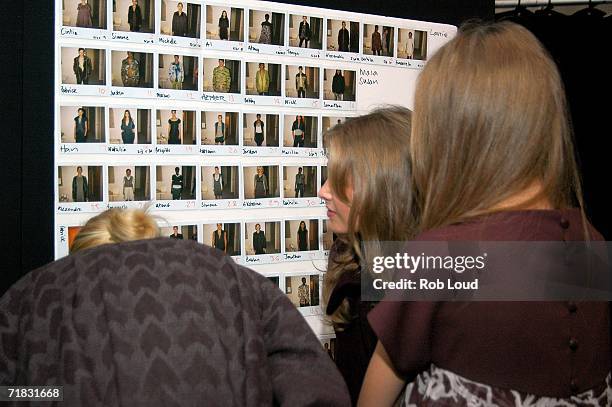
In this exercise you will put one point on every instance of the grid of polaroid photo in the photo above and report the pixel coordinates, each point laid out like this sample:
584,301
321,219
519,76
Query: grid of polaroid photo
250,26
215,110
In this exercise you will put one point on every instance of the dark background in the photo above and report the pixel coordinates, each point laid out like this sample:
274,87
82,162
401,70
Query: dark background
27,90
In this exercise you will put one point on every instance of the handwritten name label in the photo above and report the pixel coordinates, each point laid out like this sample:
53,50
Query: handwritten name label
62,232
162,150
99,37
281,52
144,150
162,205
117,93
334,56
355,59
290,202
120,206
209,205
292,53
314,154
167,40
68,149
249,100
332,104
68,209
251,203
163,95
252,48
315,55
403,63
250,259
238,48
439,34
116,149
290,102
249,151
195,44
207,151
293,256
368,81
289,152
148,41
213,98
68,31
365,58
120,37
66,89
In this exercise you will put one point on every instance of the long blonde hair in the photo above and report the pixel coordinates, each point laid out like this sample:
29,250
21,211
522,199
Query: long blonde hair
369,153
490,119
114,226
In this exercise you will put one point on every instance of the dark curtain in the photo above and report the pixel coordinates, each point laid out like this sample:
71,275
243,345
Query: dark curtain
278,29
94,183
274,70
236,25
581,57
144,126
141,179
271,130
313,235
316,28
234,67
310,189
310,137
231,128
354,36
188,173
189,124
193,20
190,64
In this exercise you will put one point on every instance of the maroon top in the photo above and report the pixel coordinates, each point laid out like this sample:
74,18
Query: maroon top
542,348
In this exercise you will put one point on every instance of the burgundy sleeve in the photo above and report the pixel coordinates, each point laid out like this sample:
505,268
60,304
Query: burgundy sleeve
405,331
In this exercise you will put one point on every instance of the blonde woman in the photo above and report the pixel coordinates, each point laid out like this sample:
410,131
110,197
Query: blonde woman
114,226
368,197
493,160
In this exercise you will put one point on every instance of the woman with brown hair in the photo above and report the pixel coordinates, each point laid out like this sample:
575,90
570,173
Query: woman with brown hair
368,197
493,160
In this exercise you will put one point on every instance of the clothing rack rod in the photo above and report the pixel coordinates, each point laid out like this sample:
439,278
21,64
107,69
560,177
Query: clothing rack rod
538,3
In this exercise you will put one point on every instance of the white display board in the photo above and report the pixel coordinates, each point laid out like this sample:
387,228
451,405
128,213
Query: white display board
216,100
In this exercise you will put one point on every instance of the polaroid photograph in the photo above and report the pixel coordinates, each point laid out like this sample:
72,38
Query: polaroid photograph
342,37
300,132
266,32
65,237
80,188
176,185
132,72
83,70
220,186
330,121
130,185
224,236
180,232
339,89
180,19
175,130
262,242
274,280
84,14
412,44
329,346
327,236
301,239
224,27
134,16
177,72
305,32
261,186
300,186
262,79
82,125
378,40
219,128
260,134
130,127
302,83
221,75
303,291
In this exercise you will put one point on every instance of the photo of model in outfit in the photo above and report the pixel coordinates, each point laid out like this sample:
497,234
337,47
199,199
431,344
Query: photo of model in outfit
219,128
221,75
339,85
302,81
84,13
220,182
180,232
261,182
80,183
263,79
342,35
303,290
83,66
136,16
129,183
223,236
412,44
129,125
261,130
378,40
132,69
300,182
82,124
300,131
262,238
175,182
305,31
177,72
180,19
224,23
266,27
301,235
176,127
